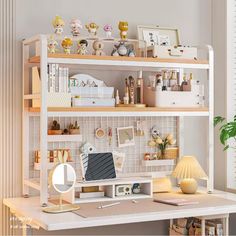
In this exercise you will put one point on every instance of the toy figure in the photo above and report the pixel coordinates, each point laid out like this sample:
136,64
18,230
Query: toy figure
52,44
123,27
120,49
136,188
131,52
58,25
67,44
82,47
108,29
75,26
98,47
92,29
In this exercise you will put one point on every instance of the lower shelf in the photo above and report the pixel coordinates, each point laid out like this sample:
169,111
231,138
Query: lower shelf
167,162
33,183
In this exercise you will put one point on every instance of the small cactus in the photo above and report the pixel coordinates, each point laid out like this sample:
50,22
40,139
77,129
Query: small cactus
55,125
75,126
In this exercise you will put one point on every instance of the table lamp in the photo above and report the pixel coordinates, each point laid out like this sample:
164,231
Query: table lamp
188,169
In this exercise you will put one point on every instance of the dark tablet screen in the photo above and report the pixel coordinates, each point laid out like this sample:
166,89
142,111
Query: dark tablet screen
99,166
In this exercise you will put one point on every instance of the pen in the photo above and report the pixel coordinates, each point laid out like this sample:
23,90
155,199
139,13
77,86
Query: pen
108,205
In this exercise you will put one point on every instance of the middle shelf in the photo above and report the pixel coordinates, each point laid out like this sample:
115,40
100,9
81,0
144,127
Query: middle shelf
120,111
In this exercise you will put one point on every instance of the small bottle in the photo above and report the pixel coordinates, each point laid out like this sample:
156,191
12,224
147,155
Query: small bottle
184,82
117,97
173,78
165,79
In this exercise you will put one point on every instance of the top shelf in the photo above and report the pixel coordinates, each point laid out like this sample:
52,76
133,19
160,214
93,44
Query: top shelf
131,63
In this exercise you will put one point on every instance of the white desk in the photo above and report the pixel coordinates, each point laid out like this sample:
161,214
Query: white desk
29,208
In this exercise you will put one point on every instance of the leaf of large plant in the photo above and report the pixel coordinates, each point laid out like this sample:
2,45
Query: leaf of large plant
224,136
218,119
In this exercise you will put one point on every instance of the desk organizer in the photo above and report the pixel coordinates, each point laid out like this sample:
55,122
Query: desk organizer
159,98
109,188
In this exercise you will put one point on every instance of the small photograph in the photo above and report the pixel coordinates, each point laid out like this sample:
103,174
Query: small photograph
125,136
163,40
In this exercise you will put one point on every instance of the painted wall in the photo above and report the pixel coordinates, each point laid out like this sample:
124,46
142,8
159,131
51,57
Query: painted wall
192,18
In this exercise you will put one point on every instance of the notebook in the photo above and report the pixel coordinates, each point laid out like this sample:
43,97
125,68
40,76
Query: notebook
176,202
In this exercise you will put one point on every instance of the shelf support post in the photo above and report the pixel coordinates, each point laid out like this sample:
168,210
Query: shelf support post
43,122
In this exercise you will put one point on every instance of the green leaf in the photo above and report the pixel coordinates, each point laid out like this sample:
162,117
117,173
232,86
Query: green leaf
224,136
226,147
218,119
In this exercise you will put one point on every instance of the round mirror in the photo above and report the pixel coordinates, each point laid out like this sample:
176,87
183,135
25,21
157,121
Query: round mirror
63,178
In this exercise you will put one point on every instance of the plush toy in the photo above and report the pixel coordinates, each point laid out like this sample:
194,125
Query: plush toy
123,27
52,45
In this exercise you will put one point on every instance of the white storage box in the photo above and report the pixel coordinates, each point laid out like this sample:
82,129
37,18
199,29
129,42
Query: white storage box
172,52
158,98
93,102
55,100
92,92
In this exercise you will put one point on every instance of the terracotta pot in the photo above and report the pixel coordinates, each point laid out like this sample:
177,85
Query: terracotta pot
74,131
54,132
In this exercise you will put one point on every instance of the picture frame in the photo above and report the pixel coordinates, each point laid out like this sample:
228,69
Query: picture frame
119,159
155,35
125,136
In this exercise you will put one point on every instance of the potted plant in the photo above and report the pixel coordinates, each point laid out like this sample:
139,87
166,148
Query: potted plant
55,129
74,129
227,131
162,143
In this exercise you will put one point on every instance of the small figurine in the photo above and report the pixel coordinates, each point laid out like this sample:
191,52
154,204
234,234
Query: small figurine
82,47
120,49
67,44
123,27
58,25
75,26
108,29
92,29
136,188
131,52
52,44
98,47
114,52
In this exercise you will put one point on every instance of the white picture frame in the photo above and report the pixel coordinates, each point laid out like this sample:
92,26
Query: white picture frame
155,35
125,136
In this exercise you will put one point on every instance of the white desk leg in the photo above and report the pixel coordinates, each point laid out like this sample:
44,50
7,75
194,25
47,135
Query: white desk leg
226,226
203,226
26,230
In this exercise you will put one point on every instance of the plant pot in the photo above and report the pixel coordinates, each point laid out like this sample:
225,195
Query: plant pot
74,131
54,132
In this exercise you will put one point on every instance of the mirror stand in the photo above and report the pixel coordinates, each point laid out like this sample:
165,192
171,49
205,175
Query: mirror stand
61,207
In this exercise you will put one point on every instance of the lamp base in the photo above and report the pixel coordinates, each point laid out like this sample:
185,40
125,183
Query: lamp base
188,186
61,208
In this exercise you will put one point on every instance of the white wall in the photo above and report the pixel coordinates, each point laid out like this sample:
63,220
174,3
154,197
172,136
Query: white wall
192,18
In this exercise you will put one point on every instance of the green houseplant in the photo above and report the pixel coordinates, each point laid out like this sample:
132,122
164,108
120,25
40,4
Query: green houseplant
227,131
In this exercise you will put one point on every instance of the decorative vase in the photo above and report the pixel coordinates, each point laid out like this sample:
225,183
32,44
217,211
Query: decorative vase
163,154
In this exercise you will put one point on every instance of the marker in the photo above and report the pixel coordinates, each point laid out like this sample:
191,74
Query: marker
109,205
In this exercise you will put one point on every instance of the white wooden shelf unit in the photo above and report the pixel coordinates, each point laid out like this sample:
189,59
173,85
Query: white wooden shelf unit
41,58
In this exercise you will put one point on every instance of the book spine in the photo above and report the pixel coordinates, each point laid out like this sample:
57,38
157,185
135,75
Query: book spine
57,78
60,80
53,78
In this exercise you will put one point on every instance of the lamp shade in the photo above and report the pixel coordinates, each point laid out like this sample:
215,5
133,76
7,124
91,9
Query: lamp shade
189,167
